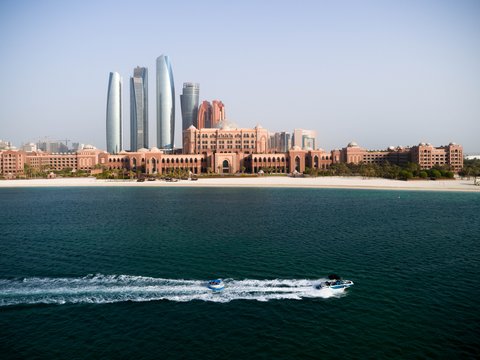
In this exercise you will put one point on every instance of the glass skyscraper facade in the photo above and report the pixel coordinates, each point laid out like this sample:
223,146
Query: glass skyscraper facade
114,113
165,104
139,109
189,101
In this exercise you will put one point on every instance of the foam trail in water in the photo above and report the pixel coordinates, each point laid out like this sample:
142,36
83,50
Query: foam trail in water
117,288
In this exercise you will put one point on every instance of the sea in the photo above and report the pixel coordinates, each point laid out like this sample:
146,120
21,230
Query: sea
120,273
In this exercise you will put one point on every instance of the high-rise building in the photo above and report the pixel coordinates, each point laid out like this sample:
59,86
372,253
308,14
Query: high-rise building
114,113
204,115
189,104
139,109
304,139
280,142
218,113
165,103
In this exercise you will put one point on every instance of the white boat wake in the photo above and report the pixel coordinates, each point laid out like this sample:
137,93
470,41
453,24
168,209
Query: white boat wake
101,289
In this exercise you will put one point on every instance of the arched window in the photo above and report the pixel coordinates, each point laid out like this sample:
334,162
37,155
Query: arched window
297,163
225,167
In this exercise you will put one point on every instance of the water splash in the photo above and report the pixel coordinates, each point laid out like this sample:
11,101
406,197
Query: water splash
101,289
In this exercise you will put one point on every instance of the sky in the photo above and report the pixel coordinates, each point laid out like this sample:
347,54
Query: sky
380,73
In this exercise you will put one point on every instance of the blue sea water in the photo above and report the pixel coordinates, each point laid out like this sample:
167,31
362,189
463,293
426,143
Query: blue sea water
120,273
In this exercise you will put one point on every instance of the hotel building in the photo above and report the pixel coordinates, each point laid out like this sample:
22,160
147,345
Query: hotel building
218,113
425,155
204,119
228,151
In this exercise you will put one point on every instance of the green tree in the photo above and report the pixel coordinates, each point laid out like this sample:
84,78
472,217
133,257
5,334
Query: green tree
436,174
405,174
423,174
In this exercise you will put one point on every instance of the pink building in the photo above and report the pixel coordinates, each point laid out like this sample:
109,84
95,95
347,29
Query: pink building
204,115
12,163
427,156
198,141
218,113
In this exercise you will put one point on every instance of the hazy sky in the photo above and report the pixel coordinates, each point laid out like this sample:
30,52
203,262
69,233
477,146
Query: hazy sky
378,72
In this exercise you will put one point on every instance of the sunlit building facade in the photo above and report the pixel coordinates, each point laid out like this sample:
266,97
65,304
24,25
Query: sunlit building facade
189,103
204,119
280,141
218,113
428,156
305,139
165,104
114,113
139,109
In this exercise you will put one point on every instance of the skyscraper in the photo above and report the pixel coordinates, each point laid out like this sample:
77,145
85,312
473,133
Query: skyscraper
204,115
114,113
218,113
189,103
304,139
165,103
139,109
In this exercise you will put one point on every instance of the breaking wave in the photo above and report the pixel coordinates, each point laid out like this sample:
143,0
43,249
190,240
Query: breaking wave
101,289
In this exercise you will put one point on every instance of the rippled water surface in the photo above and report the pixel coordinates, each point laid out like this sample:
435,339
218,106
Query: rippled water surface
120,273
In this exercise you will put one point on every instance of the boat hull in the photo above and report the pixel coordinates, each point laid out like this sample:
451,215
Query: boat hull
216,285
335,285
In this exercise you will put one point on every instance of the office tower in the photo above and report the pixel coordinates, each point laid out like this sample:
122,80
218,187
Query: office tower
114,113
204,116
189,104
218,113
165,103
304,139
139,109
280,142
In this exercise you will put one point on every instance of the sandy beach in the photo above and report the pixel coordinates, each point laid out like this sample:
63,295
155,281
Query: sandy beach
267,181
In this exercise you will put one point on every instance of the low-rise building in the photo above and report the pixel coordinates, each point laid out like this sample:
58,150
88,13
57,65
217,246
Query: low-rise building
12,163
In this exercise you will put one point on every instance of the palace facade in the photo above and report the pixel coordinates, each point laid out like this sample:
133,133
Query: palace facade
228,151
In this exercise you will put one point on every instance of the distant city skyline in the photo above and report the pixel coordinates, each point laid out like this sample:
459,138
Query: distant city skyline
378,73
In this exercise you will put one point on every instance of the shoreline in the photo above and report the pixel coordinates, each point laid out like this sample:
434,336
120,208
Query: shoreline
333,182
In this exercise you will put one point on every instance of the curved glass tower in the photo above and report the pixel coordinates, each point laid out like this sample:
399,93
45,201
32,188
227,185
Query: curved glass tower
114,113
189,104
165,103
139,109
